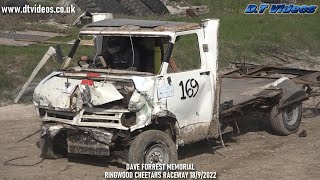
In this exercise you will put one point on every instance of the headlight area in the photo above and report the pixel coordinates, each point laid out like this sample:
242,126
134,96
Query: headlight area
128,119
40,112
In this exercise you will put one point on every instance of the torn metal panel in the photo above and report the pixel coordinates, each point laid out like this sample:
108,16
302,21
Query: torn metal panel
54,94
143,84
291,93
142,101
143,117
136,102
104,93
58,93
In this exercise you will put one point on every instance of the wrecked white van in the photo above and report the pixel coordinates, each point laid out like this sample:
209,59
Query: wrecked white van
150,87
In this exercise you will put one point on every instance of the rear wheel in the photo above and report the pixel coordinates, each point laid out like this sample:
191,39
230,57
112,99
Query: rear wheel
286,120
153,147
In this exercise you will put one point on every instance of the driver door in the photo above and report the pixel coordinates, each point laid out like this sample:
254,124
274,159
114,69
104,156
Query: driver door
192,101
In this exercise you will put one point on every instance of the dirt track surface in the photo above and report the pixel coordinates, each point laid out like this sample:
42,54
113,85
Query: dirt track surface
255,155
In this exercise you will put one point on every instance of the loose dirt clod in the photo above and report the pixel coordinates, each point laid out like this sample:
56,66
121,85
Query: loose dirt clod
303,134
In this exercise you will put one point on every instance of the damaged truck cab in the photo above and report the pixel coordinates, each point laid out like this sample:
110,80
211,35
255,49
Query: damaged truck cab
138,98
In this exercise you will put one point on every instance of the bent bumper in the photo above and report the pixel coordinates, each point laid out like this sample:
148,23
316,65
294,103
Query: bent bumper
82,140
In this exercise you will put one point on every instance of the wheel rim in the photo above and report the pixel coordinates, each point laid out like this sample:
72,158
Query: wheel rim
157,154
291,114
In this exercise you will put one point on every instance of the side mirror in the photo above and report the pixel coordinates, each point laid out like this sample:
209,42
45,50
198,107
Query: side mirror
59,54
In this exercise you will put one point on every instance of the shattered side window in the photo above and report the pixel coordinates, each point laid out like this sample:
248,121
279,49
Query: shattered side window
186,54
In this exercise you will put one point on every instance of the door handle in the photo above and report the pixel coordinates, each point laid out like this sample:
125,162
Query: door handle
205,73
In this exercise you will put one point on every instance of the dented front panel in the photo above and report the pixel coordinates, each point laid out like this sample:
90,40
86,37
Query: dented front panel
78,100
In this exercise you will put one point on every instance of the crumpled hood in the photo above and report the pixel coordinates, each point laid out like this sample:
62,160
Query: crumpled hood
58,93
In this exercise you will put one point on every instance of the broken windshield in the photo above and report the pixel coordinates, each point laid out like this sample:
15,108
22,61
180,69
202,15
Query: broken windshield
131,53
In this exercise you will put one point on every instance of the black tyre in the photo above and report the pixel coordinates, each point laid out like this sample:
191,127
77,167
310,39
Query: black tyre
287,120
101,6
151,147
53,148
156,6
136,7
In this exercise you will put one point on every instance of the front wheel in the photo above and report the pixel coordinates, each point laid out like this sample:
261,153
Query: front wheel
153,147
286,121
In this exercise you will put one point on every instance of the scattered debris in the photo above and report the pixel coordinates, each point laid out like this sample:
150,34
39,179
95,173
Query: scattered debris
88,17
185,9
303,134
188,11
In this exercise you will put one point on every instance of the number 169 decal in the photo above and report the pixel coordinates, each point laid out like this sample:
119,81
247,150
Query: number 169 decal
189,88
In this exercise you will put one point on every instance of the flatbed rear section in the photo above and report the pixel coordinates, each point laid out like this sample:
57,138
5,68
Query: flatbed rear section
247,94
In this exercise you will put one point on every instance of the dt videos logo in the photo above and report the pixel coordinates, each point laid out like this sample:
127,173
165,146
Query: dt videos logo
281,9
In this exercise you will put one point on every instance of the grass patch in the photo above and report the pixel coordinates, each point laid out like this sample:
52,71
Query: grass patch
247,37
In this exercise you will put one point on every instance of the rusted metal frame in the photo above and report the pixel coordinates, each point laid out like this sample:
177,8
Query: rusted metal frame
305,77
312,79
262,98
238,107
283,70
239,70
